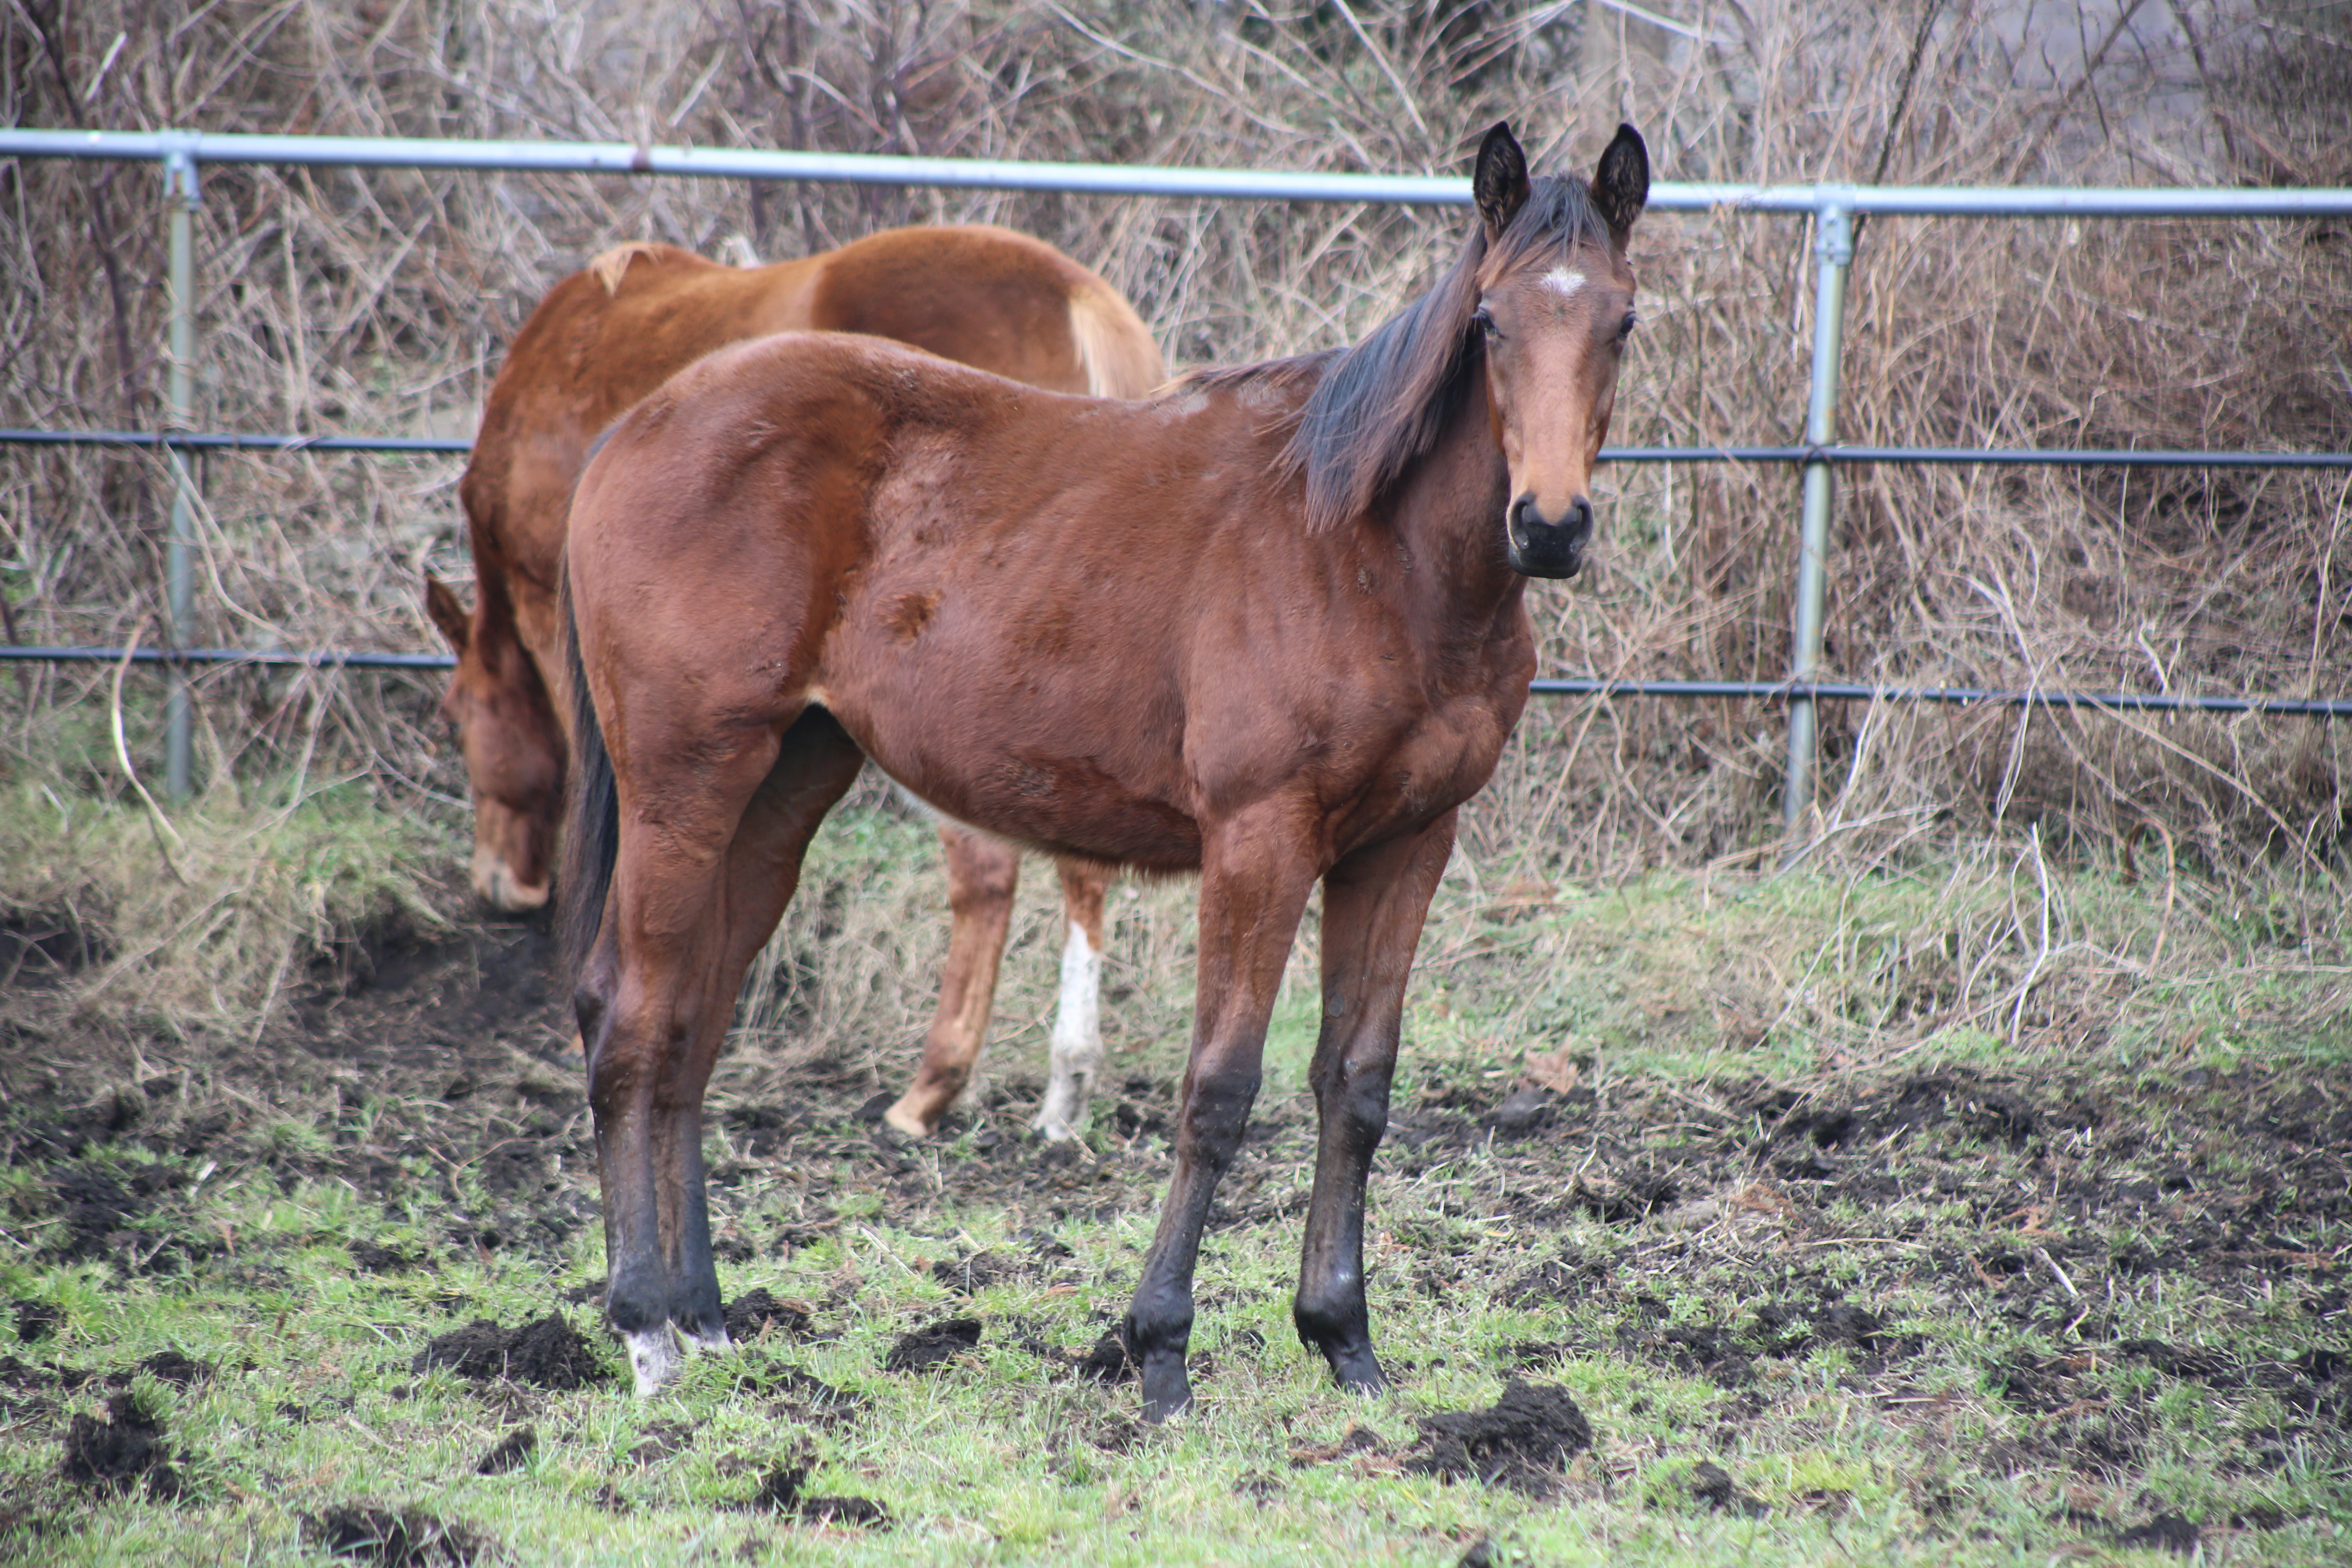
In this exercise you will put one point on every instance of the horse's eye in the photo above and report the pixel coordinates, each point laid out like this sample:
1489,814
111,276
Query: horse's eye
1625,327
1485,323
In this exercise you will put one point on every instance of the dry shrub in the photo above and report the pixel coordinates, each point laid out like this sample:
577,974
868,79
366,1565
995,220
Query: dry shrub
342,301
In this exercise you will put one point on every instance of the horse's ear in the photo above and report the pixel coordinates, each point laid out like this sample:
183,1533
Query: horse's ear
1621,185
1499,183
441,603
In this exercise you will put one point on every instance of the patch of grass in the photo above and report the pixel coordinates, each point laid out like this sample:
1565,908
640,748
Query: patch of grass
1931,1276
206,916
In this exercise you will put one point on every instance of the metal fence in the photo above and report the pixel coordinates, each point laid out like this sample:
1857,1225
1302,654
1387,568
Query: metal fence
1833,209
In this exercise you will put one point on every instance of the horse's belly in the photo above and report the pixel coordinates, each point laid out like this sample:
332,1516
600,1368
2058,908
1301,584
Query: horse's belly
1030,768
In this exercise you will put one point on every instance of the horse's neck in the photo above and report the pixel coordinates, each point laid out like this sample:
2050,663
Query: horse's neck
1448,514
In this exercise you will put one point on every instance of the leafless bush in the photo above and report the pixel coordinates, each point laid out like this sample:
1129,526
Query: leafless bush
341,301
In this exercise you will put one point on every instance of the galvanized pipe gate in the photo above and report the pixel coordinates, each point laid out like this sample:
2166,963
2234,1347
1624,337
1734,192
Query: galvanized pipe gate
1832,207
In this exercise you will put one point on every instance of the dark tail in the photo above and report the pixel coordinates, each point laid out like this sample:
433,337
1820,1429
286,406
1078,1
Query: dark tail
591,833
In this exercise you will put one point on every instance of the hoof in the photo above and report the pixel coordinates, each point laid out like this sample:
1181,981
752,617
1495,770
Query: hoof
713,1344
1166,1388
899,1117
497,886
654,1357
1357,1370
1055,1125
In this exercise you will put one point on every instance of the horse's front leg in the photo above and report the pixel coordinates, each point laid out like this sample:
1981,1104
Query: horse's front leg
1373,905
1255,874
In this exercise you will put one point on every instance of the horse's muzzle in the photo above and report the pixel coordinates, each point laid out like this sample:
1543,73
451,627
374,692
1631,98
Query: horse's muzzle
1541,547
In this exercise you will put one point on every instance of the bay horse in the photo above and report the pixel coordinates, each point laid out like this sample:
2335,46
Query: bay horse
609,334
1269,626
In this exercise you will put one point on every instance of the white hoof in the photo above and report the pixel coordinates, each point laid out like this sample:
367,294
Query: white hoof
716,1344
1064,1115
654,1357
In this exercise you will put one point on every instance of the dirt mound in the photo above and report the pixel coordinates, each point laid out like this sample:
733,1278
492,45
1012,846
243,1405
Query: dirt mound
933,1346
378,1259
112,1455
754,1311
36,1320
548,1352
1711,1484
2166,1533
1519,1442
1108,1360
172,1367
967,1276
512,1452
780,1492
410,1538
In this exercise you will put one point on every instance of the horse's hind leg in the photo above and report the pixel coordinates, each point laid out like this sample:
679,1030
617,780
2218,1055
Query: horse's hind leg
691,903
1077,1050
1373,905
982,875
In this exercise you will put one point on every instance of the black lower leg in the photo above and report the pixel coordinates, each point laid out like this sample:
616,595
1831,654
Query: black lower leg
1331,1310
1158,1327
693,1302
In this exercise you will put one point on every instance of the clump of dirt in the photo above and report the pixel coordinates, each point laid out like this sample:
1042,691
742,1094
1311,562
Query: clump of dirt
1108,1360
1522,1112
97,1210
410,1538
36,1320
1358,1440
754,1311
1520,1441
934,1346
1627,1197
2166,1533
780,1492
172,1367
967,1276
809,1391
376,1259
662,1439
1710,1483
510,1454
1563,1279
112,1455
548,1352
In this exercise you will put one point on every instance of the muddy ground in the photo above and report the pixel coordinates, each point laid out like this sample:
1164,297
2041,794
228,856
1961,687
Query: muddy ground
1967,1241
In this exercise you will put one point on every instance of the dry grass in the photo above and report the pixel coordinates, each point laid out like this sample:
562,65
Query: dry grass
337,301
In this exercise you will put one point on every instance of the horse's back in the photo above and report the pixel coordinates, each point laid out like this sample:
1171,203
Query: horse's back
991,298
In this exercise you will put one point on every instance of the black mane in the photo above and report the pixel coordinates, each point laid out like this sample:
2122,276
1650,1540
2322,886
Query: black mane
1381,405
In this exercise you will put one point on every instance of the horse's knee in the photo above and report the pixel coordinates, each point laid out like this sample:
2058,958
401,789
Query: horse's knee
1216,1112
983,875
1355,1106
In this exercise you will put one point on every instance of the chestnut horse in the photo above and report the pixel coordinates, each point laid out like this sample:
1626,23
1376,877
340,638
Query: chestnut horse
603,339
1270,626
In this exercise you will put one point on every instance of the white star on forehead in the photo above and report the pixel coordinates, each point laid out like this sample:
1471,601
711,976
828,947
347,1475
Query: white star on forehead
1563,280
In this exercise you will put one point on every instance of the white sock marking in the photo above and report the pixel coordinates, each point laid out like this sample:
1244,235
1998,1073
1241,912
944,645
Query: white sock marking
1077,1051
652,1356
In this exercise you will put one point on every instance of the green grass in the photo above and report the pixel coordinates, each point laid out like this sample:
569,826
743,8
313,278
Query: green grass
2180,1180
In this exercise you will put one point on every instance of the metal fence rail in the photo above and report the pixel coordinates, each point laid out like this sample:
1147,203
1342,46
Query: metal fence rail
1560,686
1832,206
1989,457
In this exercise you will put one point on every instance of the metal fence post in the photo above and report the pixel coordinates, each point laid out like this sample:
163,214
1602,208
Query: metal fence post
179,414
1832,249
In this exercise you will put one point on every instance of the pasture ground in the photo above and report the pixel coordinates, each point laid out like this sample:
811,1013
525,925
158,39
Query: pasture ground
1842,1250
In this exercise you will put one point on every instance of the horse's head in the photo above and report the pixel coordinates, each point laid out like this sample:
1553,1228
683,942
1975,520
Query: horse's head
514,755
1554,308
